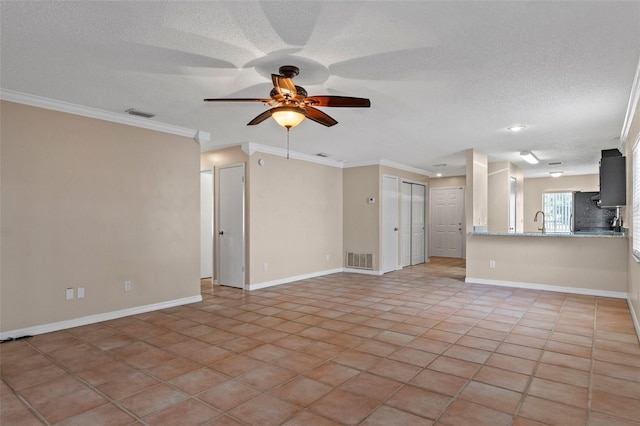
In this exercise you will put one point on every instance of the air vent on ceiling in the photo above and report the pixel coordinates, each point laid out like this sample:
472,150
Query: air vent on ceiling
133,111
359,260
323,154
557,163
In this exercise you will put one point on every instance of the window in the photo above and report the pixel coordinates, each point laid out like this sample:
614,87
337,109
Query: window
635,165
557,207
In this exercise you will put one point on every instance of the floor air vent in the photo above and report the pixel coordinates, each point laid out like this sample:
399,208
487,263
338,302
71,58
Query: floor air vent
360,260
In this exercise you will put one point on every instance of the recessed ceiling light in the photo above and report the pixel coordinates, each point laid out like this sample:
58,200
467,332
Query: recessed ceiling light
555,174
529,157
438,174
516,128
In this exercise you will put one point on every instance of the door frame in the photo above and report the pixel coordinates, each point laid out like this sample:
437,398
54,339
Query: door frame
218,217
384,244
426,212
212,239
463,240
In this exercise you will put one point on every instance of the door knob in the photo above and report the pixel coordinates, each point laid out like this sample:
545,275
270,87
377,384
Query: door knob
395,229
221,233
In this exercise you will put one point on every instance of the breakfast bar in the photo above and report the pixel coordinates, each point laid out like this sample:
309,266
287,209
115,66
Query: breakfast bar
584,262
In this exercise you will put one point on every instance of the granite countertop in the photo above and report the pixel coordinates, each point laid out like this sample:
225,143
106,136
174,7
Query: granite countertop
579,234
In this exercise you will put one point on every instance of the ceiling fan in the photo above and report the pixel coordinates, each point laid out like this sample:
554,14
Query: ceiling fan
290,104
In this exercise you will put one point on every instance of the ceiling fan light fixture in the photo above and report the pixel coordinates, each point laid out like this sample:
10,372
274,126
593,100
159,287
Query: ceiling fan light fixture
529,157
288,116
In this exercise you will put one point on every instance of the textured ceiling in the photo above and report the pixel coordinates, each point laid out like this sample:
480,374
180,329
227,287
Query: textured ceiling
442,77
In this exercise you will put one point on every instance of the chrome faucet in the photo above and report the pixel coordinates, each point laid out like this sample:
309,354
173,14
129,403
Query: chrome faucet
535,219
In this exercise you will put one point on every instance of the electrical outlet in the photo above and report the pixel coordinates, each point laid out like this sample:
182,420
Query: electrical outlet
328,258
265,266
492,264
69,294
80,293
127,286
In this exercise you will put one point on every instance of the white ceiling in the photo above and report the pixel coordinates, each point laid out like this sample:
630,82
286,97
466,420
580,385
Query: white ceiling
442,77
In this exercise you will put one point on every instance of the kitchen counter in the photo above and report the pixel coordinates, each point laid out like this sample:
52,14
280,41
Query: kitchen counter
579,234
589,263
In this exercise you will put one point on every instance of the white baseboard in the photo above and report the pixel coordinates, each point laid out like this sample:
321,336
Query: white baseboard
547,287
91,319
634,317
266,284
362,271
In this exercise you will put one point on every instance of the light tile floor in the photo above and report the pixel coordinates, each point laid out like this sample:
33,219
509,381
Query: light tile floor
412,347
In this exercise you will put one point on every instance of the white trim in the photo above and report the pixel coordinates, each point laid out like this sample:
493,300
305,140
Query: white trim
388,163
91,319
547,287
145,123
362,271
251,148
634,317
634,97
272,283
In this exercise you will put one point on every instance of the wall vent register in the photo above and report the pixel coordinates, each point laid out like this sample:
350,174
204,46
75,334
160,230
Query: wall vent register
360,260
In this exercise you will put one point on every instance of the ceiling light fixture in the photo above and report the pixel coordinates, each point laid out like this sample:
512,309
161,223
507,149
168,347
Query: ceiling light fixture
516,128
555,174
288,116
529,157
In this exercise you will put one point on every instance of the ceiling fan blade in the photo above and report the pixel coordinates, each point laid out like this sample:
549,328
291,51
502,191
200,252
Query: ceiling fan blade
236,100
339,101
284,85
260,118
320,117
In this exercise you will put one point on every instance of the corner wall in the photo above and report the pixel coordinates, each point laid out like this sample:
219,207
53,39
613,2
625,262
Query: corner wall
90,203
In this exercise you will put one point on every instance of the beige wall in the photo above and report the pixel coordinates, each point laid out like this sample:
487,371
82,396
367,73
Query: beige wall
90,203
579,262
361,220
296,218
535,187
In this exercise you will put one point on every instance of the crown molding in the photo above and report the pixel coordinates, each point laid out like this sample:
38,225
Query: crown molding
251,148
52,104
634,98
387,163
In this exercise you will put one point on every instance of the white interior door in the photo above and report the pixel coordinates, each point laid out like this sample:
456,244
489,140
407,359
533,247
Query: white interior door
417,224
389,223
231,226
447,210
206,224
405,225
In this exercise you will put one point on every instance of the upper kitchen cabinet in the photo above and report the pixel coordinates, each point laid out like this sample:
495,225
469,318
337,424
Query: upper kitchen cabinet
613,189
